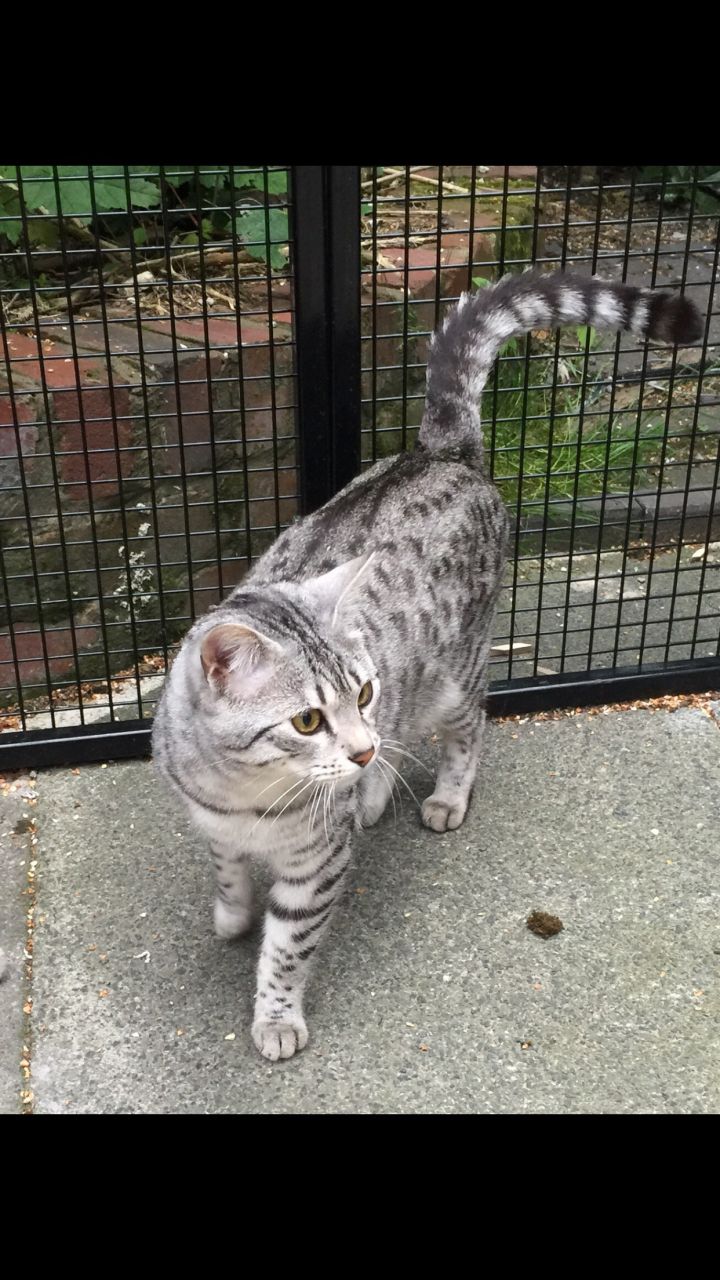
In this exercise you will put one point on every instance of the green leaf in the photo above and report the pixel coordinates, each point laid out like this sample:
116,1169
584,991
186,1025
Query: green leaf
140,235
40,193
9,205
182,174
251,227
707,203
582,336
251,178
481,281
275,182
211,180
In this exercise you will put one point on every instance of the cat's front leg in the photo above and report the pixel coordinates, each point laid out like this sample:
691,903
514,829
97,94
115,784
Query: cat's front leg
233,910
374,792
299,910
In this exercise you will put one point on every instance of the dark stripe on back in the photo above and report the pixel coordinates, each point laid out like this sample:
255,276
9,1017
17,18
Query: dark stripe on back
283,618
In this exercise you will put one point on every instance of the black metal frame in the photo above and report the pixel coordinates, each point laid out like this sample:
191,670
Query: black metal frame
325,212
130,739
326,208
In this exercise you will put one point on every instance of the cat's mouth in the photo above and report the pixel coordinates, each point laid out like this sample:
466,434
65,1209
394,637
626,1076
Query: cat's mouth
341,776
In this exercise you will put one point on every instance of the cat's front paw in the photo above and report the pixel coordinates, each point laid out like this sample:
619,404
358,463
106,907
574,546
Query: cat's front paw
280,1039
374,796
230,922
443,815
373,810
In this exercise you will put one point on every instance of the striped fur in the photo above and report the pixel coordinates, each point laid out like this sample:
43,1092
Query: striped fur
464,350
392,583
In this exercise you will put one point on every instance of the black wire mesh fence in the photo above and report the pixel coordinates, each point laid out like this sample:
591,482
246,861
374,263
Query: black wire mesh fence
194,354
605,451
147,420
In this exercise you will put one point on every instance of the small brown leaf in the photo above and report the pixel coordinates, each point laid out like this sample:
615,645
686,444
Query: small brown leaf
103,992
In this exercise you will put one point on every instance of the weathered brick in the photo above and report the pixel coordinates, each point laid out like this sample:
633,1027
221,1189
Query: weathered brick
29,650
8,437
207,581
76,435
455,267
191,394
222,332
35,470
82,412
231,372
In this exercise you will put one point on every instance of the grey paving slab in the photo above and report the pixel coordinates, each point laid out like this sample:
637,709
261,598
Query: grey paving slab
575,610
430,984
15,855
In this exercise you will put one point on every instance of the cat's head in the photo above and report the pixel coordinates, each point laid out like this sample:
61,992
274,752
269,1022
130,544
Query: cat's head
288,681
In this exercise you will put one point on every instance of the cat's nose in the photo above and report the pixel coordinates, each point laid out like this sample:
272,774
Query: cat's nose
363,757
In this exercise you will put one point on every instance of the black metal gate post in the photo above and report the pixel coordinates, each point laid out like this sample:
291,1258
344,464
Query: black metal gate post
326,240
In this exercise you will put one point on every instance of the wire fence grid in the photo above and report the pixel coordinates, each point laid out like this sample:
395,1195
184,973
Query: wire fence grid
194,355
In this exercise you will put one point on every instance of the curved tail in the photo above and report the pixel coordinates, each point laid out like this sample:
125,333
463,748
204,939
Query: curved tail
463,351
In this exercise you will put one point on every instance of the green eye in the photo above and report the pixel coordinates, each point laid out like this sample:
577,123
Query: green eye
365,694
307,721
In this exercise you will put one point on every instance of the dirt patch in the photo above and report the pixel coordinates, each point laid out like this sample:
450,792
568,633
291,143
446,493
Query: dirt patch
544,925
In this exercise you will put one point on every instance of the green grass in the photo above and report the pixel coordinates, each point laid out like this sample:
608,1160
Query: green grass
561,454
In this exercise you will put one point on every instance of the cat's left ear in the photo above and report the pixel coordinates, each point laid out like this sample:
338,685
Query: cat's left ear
332,589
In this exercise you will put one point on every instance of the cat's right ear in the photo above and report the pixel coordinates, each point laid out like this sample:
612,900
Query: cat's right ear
237,659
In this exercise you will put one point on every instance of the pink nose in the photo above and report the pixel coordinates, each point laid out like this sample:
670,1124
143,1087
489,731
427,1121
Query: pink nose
364,757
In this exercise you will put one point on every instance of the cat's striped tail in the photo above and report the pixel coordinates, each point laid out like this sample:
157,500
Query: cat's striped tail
463,351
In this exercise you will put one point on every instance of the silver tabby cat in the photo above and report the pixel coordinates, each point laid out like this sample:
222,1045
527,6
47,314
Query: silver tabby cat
367,625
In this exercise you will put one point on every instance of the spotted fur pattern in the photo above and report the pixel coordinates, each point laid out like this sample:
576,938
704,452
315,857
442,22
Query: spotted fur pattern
391,586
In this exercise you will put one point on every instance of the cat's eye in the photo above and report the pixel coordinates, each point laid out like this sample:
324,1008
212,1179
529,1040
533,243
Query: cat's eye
365,694
308,721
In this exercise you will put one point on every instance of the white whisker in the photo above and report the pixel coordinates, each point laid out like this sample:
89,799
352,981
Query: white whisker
314,810
292,787
391,785
269,785
403,780
392,744
326,801
307,802
290,801
311,801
